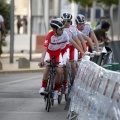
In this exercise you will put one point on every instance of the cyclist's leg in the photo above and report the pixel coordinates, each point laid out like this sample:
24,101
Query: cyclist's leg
45,76
65,70
65,78
74,57
59,76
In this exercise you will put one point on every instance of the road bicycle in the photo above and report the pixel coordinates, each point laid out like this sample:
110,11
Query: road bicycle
49,91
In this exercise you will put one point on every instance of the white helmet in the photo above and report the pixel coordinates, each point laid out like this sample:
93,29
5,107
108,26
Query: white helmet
56,23
80,19
66,16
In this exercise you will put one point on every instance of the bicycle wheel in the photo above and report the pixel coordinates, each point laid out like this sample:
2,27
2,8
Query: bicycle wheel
61,95
66,97
47,97
52,100
48,103
69,84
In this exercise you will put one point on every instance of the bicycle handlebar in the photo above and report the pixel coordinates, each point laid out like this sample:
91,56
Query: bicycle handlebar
94,53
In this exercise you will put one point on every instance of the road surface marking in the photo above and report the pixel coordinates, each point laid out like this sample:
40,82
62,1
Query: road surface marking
16,81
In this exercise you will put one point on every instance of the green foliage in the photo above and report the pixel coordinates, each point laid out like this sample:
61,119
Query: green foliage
84,3
89,2
108,2
5,12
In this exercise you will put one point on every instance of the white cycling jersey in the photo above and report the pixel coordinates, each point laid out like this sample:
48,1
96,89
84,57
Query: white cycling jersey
87,29
72,32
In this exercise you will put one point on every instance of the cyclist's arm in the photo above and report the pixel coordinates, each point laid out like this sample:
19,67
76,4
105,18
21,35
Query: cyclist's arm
82,42
46,44
78,42
43,54
76,39
77,47
93,37
81,38
89,41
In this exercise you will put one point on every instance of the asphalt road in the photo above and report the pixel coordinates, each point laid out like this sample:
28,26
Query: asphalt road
20,100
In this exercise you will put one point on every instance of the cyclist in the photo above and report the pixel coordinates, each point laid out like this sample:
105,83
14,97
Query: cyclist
56,40
85,28
72,52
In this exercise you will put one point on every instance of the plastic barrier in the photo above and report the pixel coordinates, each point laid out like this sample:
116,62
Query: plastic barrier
95,94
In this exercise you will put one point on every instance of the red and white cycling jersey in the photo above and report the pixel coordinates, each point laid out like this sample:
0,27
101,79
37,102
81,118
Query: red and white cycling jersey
56,46
87,29
56,43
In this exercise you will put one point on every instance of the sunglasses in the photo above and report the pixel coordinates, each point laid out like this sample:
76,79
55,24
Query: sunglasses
81,23
60,29
66,21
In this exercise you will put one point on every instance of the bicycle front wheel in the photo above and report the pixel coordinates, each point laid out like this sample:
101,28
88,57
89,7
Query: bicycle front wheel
48,103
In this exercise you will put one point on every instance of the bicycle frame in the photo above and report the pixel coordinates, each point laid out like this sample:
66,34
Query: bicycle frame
50,84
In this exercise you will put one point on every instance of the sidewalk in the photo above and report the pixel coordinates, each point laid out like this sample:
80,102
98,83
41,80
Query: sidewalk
8,67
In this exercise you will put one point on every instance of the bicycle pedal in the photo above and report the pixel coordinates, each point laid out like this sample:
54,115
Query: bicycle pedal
46,93
51,96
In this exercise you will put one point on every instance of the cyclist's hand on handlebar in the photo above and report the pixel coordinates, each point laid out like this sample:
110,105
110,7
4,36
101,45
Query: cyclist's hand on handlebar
41,64
96,53
82,54
87,53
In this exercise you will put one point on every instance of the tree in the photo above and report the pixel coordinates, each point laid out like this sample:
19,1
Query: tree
108,2
84,3
5,12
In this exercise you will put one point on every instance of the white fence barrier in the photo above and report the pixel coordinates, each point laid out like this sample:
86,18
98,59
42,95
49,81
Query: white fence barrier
95,94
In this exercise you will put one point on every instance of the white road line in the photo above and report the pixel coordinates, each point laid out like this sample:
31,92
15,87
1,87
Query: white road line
18,112
16,81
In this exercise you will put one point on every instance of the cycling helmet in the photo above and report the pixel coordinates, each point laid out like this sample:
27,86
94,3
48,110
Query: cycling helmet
66,16
80,18
56,23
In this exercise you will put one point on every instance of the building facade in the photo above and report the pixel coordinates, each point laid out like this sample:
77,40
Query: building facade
44,10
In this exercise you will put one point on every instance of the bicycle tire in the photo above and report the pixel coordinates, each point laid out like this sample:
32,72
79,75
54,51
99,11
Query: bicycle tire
48,103
61,95
66,97
52,100
47,97
69,85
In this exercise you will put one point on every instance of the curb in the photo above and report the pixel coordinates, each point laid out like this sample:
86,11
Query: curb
21,71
